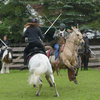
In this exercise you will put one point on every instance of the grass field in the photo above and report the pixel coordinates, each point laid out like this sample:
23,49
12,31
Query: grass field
14,86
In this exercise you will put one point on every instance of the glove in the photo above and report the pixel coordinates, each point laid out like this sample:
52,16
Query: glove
26,39
43,35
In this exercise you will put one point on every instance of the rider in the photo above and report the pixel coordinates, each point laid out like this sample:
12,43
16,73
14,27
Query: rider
3,45
34,34
60,36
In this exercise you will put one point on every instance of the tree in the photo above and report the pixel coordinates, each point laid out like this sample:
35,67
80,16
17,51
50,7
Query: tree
13,16
83,12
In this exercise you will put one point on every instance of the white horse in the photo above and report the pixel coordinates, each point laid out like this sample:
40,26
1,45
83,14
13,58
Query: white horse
38,65
6,59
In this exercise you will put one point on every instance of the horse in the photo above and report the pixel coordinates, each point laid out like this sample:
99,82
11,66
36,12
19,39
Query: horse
68,55
6,59
38,65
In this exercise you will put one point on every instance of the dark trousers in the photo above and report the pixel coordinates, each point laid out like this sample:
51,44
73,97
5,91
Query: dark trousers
85,61
31,46
1,53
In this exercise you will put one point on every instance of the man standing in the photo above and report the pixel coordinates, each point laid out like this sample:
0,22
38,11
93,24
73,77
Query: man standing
86,53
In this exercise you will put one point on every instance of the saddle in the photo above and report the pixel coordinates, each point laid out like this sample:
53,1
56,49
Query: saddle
51,51
34,51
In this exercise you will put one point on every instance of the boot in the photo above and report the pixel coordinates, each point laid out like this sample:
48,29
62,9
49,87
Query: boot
23,67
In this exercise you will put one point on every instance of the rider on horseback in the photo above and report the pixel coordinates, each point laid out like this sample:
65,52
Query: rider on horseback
34,34
60,36
3,46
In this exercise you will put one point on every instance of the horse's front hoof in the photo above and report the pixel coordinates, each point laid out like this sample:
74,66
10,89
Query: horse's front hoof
73,77
2,73
51,85
37,94
75,81
7,72
76,74
57,95
34,86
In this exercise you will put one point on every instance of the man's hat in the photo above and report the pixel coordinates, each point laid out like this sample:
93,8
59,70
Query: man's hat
62,24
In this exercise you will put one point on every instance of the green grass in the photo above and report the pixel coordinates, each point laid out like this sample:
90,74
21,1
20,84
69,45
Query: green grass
14,86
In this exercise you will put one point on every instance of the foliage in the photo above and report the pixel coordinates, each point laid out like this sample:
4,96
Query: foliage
14,86
81,12
4,28
13,16
75,11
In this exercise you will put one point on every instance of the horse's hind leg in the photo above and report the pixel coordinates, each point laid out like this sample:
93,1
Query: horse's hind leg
47,78
3,68
40,85
54,84
7,69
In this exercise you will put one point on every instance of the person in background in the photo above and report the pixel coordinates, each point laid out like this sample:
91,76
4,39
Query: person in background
86,53
3,46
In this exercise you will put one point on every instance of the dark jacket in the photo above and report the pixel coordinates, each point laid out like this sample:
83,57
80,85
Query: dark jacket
86,42
86,46
6,42
34,34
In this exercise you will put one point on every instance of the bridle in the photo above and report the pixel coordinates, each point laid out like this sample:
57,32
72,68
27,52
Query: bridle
74,42
78,38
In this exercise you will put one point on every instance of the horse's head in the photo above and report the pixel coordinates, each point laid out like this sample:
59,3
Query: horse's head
7,55
78,38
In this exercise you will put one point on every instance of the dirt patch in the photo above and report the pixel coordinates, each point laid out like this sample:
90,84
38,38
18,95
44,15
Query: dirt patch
96,68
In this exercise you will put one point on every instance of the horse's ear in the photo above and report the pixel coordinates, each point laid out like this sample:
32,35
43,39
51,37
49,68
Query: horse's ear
72,27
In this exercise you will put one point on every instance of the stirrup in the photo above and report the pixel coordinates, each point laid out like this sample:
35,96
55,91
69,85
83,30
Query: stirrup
23,67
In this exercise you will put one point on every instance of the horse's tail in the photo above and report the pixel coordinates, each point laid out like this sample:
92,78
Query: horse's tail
39,71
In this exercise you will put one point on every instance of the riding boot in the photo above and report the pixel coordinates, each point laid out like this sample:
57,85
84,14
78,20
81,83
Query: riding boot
25,66
0,57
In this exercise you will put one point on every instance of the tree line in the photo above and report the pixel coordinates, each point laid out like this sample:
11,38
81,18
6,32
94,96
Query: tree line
14,15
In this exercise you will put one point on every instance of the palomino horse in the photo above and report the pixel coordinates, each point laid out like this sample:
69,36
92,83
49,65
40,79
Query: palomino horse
38,65
68,54
6,59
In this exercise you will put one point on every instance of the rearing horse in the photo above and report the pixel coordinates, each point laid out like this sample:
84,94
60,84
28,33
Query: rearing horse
6,58
68,55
